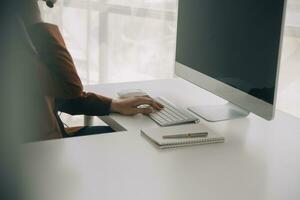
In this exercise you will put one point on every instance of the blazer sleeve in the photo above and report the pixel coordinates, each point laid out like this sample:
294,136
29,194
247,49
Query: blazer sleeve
88,104
68,91
53,53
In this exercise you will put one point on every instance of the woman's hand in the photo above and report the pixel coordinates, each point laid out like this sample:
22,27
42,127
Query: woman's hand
130,106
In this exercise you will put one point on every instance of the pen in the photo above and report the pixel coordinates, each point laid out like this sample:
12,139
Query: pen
189,135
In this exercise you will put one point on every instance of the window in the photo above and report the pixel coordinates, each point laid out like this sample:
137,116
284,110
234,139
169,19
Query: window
118,40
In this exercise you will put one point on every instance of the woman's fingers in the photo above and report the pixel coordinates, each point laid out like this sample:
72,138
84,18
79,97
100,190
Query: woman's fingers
135,105
148,101
145,111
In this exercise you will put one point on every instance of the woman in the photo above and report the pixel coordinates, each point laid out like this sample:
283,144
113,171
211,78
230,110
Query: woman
63,88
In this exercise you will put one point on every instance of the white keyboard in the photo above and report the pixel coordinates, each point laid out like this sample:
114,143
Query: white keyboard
171,114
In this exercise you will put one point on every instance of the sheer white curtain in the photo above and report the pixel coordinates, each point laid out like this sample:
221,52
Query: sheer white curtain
289,79
118,40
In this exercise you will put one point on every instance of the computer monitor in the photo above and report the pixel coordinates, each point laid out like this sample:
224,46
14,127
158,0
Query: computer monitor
232,49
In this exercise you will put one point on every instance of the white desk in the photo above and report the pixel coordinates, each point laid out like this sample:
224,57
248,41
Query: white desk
260,160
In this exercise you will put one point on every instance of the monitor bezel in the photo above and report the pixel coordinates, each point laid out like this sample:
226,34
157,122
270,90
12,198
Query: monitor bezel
229,93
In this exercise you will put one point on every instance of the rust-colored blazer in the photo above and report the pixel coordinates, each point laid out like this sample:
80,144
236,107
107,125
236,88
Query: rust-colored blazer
63,89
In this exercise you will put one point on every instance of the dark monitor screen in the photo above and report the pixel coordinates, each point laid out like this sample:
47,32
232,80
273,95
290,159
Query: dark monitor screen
234,41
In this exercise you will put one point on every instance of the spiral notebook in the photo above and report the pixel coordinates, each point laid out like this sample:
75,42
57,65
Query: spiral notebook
155,136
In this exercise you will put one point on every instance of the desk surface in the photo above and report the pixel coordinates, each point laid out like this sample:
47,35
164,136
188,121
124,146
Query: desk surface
260,160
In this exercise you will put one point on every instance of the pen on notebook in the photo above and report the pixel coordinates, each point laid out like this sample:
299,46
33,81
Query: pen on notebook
188,135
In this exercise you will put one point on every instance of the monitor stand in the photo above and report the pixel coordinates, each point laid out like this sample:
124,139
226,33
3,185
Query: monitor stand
215,113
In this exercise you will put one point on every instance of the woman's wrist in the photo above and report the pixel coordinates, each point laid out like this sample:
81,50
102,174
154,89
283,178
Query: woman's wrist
114,106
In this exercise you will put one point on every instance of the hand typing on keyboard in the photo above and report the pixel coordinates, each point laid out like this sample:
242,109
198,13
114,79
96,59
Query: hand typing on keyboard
171,115
135,105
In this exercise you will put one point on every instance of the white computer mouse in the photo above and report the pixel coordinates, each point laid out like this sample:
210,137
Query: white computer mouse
131,93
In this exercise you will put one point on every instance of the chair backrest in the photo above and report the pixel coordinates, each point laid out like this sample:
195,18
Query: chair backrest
28,42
